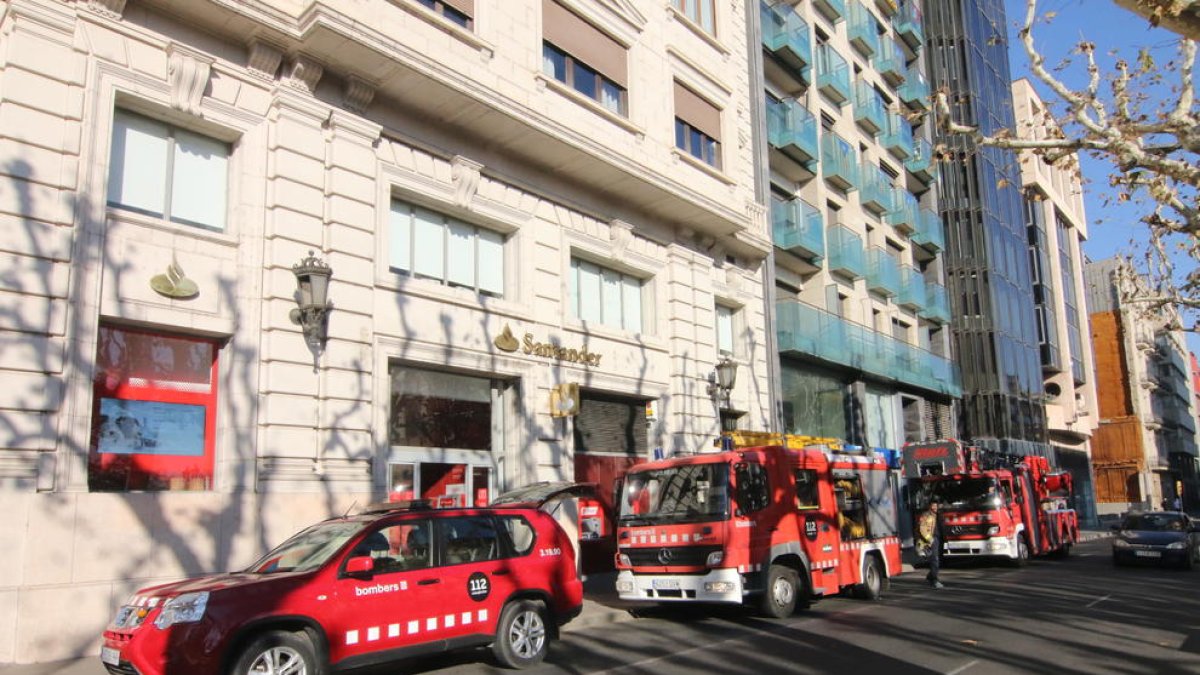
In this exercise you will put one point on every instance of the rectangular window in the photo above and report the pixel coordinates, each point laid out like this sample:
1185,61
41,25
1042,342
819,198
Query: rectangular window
164,171
605,296
431,409
154,413
431,245
700,12
583,58
724,330
697,126
458,11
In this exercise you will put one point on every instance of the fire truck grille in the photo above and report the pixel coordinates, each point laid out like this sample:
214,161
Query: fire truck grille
669,556
965,530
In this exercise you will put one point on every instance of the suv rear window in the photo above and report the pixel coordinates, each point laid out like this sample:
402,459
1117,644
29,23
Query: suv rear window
520,533
469,539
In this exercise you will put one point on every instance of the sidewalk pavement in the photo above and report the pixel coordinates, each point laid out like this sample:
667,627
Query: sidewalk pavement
600,606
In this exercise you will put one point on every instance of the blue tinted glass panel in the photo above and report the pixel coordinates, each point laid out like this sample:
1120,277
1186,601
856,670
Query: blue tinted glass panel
584,80
554,62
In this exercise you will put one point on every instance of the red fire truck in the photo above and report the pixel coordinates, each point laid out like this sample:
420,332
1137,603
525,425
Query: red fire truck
991,504
767,524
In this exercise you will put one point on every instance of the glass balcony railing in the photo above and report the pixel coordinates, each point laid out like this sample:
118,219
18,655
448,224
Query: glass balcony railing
908,23
787,37
834,10
792,130
888,7
890,61
903,211
869,109
883,272
912,289
833,74
915,89
898,136
862,28
804,330
929,234
839,163
846,253
875,191
920,162
937,304
798,228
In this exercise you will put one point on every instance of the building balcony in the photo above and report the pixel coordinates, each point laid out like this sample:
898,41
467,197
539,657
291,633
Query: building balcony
846,253
937,304
883,272
786,35
862,28
809,332
792,130
903,211
920,162
930,235
912,289
798,228
890,61
833,74
915,89
875,192
898,136
839,162
869,110
909,24
834,10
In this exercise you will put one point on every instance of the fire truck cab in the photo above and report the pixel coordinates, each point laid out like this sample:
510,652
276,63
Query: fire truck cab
767,524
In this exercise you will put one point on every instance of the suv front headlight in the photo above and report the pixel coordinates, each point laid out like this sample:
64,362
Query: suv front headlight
186,608
1177,545
1120,543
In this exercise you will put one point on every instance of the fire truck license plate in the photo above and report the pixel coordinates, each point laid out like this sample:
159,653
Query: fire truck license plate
1148,554
110,656
665,584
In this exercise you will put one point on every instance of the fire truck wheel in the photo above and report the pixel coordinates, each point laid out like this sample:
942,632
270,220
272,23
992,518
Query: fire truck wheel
872,574
521,636
779,596
278,651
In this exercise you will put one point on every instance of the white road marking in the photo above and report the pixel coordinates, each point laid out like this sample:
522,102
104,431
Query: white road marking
963,667
1098,601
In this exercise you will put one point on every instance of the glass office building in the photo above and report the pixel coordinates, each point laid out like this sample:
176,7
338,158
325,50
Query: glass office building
987,262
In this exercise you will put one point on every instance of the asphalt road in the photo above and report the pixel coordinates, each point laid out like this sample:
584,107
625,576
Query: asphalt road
1079,615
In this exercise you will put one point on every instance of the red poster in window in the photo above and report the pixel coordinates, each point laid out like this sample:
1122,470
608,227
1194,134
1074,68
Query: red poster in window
153,411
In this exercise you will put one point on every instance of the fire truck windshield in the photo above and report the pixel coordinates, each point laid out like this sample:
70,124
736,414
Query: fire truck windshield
309,549
687,493
974,493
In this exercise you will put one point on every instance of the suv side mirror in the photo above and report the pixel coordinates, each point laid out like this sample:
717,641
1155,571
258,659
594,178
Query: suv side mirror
360,566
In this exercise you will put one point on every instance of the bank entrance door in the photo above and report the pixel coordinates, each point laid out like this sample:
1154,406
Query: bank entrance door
446,434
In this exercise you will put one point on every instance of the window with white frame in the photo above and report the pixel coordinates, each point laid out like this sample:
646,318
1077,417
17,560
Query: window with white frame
161,170
605,296
725,317
431,245
699,11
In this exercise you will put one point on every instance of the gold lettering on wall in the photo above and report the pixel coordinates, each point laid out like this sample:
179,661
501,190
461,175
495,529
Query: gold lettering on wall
547,350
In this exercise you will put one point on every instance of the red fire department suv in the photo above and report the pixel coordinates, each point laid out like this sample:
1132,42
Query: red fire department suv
396,580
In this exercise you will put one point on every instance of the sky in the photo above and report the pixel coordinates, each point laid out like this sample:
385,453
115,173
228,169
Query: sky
1111,227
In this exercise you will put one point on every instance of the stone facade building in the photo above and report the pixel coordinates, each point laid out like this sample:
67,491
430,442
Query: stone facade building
513,197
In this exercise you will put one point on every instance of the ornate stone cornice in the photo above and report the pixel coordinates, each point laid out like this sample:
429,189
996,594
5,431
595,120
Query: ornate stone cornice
263,59
357,94
302,74
187,74
464,173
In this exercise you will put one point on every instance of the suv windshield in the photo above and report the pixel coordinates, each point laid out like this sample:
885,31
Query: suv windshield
1154,522
685,493
308,550
976,493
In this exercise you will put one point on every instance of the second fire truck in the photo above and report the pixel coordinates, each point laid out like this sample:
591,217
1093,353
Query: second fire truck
767,525
990,504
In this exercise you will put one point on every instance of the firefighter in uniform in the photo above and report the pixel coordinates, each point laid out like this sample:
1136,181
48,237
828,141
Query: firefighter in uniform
934,522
